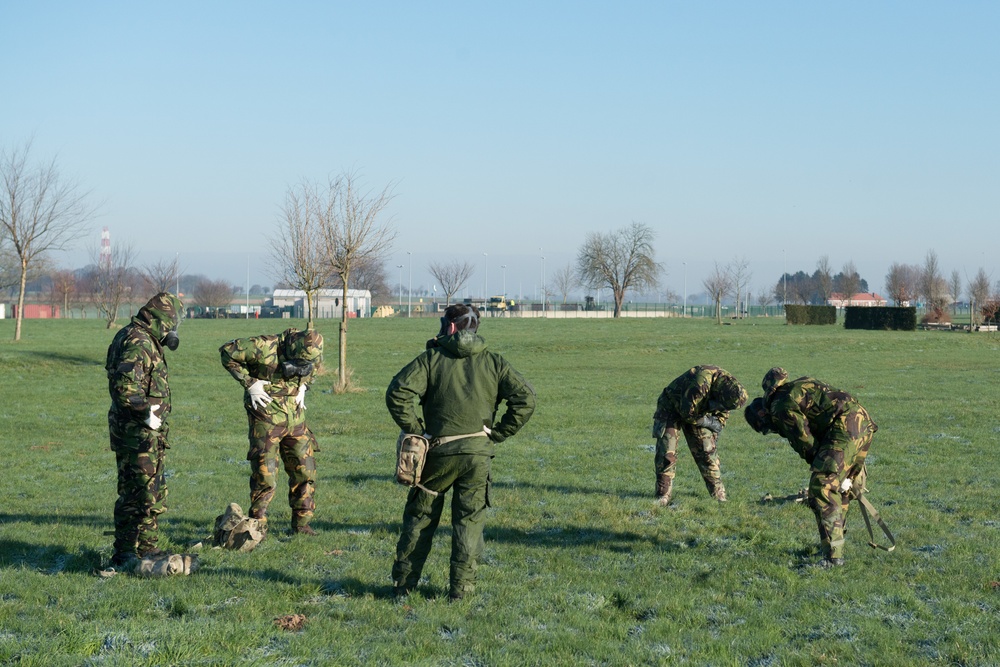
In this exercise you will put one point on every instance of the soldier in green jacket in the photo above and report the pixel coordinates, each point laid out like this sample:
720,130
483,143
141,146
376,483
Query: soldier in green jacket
832,432
454,389
696,403
138,423
275,372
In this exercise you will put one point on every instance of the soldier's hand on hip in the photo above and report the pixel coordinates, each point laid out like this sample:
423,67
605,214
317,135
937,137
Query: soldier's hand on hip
258,395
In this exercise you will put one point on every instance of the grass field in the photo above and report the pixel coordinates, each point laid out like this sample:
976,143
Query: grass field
580,567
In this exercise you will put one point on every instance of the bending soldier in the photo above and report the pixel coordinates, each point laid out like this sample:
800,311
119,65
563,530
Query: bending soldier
275,372
832,432
138,423
450,394
696,403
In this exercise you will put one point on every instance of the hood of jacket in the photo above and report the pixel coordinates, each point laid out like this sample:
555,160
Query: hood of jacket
160,314
464,343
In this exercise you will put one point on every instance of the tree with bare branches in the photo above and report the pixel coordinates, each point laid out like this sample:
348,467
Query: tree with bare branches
979,294
161,276
901,283
62,289
564,281
452,275
850,281
212,295
39,212
113,280
620,260
370,275
718,284
932,284
823,279
353,231
300,259
955,290
739,271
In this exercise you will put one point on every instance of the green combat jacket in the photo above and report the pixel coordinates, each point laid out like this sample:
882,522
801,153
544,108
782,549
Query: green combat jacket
259,358
803,411
690,396
454,388
136,367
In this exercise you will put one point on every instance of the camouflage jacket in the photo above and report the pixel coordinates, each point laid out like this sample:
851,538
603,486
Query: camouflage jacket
136,367
259,358
690,396
454,388
803,410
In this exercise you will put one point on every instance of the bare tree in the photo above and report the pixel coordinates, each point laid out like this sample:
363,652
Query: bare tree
955,290
979,294
739,271
620,260
452,275
932,284
850,281
161,276
39,212
564,281
212,295
354,232
63,289
765,298
901,283
113,280
370,275
300,259
718,284
824,279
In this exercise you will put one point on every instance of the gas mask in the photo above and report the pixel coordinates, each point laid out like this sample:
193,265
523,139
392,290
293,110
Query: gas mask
170,340
296,368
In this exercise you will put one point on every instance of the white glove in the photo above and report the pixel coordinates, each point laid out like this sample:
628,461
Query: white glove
151,420
258,395
846,485
300,398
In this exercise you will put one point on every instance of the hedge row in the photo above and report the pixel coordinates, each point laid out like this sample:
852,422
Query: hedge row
810,314
885,318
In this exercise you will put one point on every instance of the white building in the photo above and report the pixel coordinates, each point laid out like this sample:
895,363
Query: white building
328,306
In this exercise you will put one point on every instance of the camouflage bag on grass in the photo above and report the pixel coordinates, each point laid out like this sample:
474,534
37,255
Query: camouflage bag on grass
234,530
411,455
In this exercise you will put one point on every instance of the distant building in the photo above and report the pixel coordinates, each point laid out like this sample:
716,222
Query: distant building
862,299
328,306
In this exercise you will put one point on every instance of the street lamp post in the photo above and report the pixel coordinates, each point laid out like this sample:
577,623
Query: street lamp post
504,268
542,284
684,314
409,288
486,278
400,267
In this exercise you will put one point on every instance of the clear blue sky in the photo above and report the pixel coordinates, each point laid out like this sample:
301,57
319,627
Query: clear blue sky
775,131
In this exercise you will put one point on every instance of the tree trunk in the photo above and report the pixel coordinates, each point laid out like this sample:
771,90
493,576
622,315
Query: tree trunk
20,300
342,363
619,297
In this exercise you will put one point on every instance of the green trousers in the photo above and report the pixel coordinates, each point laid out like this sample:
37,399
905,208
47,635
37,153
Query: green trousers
142,490
467,476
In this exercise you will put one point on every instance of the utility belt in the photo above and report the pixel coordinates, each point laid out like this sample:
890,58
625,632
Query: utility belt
411,455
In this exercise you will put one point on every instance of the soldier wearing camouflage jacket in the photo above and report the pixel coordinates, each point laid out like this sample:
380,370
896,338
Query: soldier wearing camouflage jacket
697,404
138,423
275,372
832,432
454,389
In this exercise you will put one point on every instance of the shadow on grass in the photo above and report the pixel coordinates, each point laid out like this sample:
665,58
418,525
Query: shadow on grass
65,358
91,520
360,478
48,559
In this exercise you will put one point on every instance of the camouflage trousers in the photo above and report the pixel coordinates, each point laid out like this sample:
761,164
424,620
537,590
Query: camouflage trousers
142,490
841,453
468,476
703,445
286,436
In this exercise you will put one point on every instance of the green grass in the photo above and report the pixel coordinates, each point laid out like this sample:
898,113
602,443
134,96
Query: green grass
580,567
